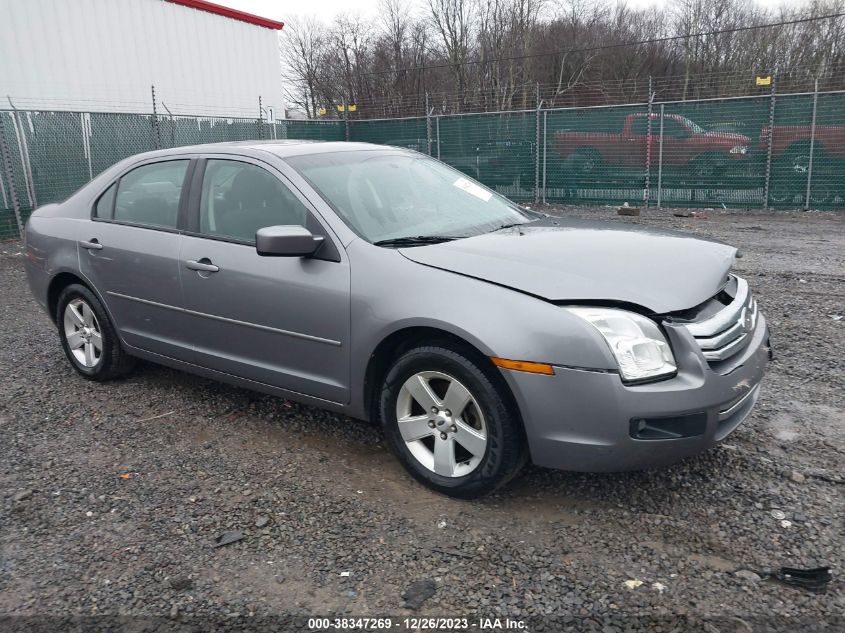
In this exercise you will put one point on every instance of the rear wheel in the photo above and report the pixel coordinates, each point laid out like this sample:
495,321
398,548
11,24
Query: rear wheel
450,424
586,161
87,336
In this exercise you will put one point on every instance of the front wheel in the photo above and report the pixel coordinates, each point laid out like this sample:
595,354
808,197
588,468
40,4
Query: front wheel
450,424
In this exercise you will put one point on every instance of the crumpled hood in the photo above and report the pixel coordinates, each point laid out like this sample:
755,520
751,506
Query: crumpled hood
583,260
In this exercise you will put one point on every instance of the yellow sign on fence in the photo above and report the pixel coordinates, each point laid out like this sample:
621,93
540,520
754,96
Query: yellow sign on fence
764,81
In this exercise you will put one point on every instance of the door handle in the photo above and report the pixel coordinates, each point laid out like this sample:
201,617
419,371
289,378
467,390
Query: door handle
92,245
203,265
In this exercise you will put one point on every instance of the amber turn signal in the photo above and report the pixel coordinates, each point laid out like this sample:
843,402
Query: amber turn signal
523,365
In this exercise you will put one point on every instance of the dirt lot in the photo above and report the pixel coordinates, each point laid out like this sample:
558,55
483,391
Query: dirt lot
113,494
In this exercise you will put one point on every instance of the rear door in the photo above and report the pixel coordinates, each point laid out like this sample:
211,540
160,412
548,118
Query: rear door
130,253
281,321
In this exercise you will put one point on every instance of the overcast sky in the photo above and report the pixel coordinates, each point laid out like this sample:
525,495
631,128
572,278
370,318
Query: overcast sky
282,9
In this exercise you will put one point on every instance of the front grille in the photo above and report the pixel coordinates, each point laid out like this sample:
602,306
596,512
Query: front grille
729,330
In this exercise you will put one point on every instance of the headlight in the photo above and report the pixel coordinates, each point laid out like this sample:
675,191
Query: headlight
739,149
640,349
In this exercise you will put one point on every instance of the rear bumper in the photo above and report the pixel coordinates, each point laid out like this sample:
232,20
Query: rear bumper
582,420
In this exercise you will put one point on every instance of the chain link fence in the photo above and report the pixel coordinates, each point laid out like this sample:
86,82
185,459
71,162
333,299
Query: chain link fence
773,151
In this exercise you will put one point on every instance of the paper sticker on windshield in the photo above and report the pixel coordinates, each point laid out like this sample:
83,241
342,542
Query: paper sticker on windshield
473,189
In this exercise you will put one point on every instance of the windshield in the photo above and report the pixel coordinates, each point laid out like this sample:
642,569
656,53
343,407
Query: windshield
383,195
695,127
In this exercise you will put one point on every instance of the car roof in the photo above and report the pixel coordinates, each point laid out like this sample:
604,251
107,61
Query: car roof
283,148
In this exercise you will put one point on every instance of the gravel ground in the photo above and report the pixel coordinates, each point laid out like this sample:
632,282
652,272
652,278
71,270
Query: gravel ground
113,495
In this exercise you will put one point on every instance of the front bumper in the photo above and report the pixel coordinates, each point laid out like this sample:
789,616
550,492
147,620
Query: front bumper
582,420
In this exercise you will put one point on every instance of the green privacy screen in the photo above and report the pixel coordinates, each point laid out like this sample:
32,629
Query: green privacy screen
715,153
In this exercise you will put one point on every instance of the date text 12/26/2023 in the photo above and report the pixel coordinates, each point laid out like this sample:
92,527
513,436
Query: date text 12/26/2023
415,624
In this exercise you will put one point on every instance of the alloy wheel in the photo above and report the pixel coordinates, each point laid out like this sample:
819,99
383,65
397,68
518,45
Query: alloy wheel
82,333
441,424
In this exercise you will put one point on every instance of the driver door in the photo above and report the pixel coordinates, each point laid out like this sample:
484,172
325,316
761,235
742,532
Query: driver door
280,321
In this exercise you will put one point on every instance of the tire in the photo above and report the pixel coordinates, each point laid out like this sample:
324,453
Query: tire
88,337
705,167
781,193
586,161
478,468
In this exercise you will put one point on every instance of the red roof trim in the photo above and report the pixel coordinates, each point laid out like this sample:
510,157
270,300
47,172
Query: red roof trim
234,14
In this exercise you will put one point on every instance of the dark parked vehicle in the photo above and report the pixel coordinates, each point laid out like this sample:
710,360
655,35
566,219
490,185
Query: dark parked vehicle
380,283
791,150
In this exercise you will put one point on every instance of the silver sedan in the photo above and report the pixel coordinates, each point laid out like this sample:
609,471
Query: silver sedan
382,284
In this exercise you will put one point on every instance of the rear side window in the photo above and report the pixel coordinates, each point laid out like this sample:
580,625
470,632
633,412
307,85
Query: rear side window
149,194
239,198
105,204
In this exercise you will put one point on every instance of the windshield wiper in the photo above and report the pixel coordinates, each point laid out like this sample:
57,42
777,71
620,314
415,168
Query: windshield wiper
419,240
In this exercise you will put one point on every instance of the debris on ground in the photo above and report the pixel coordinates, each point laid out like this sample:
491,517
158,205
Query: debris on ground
633,583
815,579
794,475
747,574
227,538
417,593
180,583
625,209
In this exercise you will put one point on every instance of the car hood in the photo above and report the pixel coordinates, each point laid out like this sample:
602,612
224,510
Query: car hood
579,260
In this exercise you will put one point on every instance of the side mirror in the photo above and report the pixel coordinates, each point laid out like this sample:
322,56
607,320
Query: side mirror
286,241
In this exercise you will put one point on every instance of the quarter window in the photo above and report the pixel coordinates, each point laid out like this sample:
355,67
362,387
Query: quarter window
149,194
105,204
239,198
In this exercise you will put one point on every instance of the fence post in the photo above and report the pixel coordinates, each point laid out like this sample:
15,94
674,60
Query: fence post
23,150
85,122
6,157
768,180
537,148
427,124
648,139
259,120
346,117
812,144
156,133
172,124
660,162
545,148
437,126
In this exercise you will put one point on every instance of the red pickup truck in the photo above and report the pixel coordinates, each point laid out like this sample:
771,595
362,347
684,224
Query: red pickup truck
685,144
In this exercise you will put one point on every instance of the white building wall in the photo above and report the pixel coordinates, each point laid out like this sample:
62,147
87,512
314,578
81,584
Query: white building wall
104,55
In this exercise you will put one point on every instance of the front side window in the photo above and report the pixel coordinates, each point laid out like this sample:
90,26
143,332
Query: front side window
239,198
674,129
384,194
149,195
639,126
